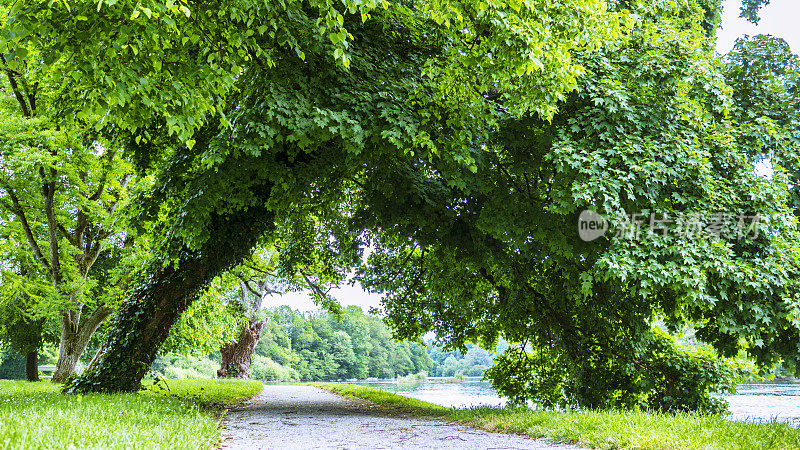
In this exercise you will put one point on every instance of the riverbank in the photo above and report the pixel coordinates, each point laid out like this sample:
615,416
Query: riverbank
604,429
180,414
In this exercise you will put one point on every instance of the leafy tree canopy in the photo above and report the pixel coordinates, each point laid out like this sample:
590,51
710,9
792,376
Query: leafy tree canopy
649,130
750,9
462,140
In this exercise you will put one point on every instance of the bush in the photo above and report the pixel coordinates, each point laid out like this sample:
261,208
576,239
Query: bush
180,367
12,365
660,376
476,371
413,377
263,368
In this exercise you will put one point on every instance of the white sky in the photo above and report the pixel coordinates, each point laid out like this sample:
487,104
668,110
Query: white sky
347,295
780,18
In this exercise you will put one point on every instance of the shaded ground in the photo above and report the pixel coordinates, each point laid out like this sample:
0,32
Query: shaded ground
308,417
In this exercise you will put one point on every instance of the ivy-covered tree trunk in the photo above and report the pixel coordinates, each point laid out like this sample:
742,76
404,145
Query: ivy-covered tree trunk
75,336
145,318
237,354
32,366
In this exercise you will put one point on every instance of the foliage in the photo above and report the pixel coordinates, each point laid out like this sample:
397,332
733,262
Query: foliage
683,379
266,369
750,8
598,429
324,347
12,365
181,367
652,128
307,157
207,324
127,64
473,363
18,330
36,415
461,140
765,77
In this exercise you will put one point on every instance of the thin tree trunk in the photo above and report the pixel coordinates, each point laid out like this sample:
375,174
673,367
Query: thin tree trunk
237,354
32,366
145,318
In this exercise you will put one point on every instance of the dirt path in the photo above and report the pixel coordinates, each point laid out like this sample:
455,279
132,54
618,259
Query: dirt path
308,417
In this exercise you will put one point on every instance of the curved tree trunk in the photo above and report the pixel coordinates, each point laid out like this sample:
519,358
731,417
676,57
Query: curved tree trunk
32,366
237,354
146,316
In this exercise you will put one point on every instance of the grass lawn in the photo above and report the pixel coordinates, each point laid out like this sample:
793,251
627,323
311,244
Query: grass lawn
599,429
36,415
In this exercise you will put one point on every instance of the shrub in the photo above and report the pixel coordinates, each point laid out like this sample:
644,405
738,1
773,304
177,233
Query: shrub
180,367
263,368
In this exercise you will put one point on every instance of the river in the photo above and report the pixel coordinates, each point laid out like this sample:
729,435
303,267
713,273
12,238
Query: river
751,403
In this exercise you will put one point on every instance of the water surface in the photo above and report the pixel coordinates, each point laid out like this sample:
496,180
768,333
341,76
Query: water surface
766,402
751,403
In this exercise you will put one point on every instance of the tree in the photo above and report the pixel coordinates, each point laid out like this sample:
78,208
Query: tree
341,351
276,343
20,330
59,199
237,354
451,367
283,151
469,172
647,131
24,335
750,8
764,75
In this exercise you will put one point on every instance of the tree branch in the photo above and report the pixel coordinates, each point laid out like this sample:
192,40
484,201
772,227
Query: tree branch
48,191
252,266
244,282
15,88
123,184
26,227
314,286
103,178
31,94
66,234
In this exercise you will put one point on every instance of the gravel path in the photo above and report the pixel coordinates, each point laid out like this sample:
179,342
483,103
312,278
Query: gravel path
296,417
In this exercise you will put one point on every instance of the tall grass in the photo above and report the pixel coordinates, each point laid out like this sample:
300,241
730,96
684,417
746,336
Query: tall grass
182,415
418,377
600,429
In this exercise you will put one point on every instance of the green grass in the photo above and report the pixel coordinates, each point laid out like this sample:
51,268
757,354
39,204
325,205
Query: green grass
184,415
598,429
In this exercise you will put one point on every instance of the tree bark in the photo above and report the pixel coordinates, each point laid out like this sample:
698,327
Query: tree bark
237,354
145,318
75,336
32,366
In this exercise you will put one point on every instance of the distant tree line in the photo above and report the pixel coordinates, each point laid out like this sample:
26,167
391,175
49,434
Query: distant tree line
313,346
471,363
318,346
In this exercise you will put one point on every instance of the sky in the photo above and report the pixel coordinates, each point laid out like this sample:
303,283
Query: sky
780,18
346,295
